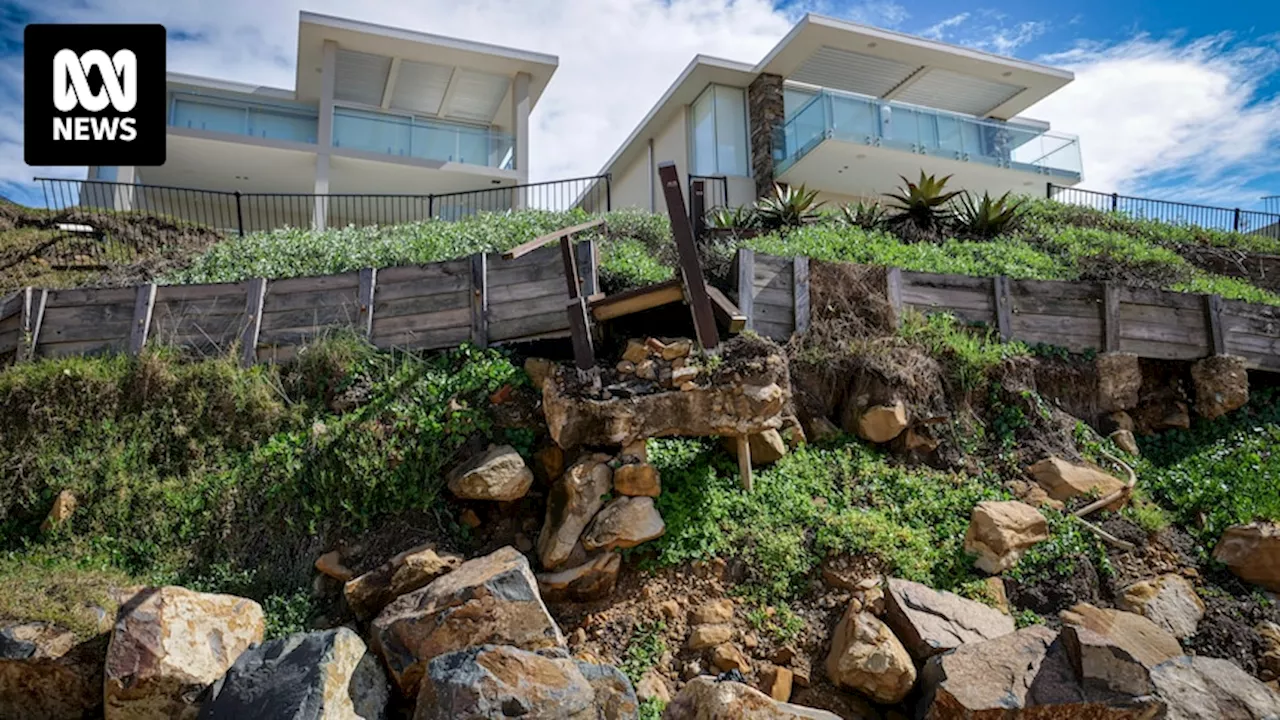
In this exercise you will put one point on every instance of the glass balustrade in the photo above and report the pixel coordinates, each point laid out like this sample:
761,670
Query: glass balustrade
865,120
423,139
241,117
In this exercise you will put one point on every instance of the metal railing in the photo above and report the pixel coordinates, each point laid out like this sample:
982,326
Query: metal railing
1177,213
235,212
706,193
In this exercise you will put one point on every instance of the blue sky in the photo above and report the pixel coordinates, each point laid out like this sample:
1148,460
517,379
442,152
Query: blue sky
1172,98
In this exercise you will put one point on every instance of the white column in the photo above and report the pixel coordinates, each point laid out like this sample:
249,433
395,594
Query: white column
520,106
324,131
320,219
124,192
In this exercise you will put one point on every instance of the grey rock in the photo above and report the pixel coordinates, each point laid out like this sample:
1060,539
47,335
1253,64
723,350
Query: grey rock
929,622
1204,687
491,681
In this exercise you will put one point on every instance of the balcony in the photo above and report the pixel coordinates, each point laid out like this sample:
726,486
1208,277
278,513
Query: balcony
422,139
868,122
293,123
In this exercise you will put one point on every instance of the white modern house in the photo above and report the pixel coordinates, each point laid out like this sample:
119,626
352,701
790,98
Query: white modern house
846,109
373,110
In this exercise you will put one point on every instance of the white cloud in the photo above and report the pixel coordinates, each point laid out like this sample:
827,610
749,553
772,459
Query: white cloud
938,31
1151,113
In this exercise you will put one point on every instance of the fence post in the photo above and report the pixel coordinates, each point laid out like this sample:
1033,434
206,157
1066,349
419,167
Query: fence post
431,206
608,192
257,292
33,301
800,292
1110,317
695,285
1048,191
697,207
143,304
1235,223
893,290
480,300
239,215
1115,202
746,285
368,281
1004,308
1213,316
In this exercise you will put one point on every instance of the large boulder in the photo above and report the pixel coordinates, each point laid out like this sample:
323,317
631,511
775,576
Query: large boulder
867,657
325,675
593,580
574,499
1221,385
1203,687
407,571
1144,640
1102,662
880,423
930,622
637,480
169,644
1119,381
705,698
500,681
1001,532
1064,480
491,599
1252,553
1026,674
496,474
47,674
748,395
1169,601
624,523
766,447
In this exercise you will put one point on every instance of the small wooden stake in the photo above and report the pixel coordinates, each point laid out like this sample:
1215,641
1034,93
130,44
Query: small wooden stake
744,461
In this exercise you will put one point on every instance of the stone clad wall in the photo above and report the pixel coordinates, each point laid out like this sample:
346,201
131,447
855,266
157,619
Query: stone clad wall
765,115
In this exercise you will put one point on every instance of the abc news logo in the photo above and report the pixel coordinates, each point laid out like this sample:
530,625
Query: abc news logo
94,95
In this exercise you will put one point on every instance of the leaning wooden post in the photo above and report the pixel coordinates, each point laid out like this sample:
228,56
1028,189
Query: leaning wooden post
747,285
893,290
1004,307
33,302
480,300
800,292
744,461
254,297
368,284
143,304
695,286
584,353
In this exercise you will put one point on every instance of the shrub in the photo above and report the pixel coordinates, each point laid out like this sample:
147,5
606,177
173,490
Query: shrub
788,207
921,208
987,218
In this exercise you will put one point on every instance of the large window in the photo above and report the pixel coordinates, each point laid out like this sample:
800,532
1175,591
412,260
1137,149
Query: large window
719,133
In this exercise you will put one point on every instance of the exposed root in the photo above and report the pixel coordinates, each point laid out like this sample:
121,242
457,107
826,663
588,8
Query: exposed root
1093,507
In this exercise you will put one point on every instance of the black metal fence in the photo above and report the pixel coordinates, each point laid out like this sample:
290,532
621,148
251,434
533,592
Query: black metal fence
706,193
1178,213
242,213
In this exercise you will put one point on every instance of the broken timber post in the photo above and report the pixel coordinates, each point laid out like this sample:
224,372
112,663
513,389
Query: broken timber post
744,461
695,286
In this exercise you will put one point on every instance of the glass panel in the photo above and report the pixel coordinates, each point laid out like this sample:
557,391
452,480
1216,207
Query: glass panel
282,126
431,143
355,130
197,115
704,134
853,118
793,99
731,131
423,139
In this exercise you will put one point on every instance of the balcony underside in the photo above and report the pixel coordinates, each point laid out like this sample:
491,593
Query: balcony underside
858,170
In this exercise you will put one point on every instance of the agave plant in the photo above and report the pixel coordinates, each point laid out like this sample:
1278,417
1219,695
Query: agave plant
922,207
738,218
868,216
788,207
987,218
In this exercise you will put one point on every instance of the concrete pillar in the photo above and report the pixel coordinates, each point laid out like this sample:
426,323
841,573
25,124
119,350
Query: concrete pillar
765,117
321,208
520,106
328,78
124,192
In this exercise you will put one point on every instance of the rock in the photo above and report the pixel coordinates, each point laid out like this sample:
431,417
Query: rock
766,447
999,598
867,657
169,644
539,370
1125,440
637,480
625,367
647,370
573,501
1205,687
403,573
625,522
820,429
636,352
469,518
1269,660
677,349
1169,601
653,687
680,376
593,580
670,609
708,636
712,611
615,699
1122,420
1119,380
491,599
726,408
846,572
330,564
1221,385
776,682
1064,481
882,423
1136,635
63,505
1100,662
310,676
1025,674
726,657
550,461
46,674
929,622
1252,553
636,451
497,474
705,698
491,681
523,543
1001,532
1176,418
655,346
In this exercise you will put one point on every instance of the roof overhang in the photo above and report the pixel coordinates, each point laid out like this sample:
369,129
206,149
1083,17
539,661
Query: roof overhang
406,45
927,67
704,70
199,82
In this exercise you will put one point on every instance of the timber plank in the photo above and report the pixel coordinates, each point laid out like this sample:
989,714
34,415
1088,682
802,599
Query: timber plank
528,291
1055,290
1064,307
531,326
176,293
346,315
1049,324
421,304
1160,298
1176,334
426,321
774,331
88,347
499,312
1162,350
316,283
387,290
90,296
421,273
424,339
280,302
911,279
